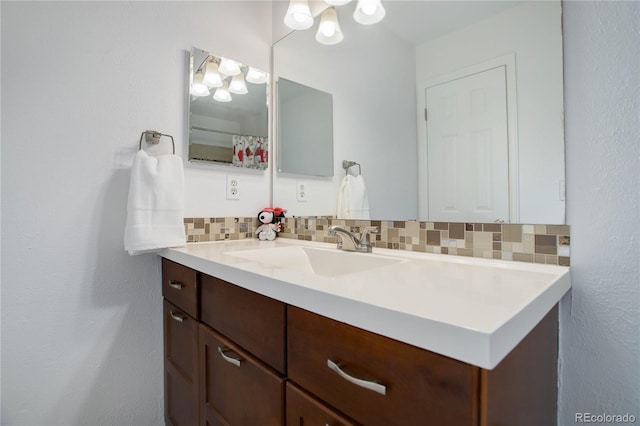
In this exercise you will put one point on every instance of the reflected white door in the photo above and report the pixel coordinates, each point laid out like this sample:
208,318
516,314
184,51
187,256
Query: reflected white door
467,148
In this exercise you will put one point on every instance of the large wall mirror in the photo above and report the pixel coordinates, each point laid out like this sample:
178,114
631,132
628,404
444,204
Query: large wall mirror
228,112
458,58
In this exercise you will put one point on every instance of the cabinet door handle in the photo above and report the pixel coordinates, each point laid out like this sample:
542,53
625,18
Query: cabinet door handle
176,284
367,384
177,317
231,360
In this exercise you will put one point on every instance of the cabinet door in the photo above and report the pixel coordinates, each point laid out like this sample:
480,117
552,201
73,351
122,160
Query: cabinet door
180,363
305,410
253,321
376,380
235,386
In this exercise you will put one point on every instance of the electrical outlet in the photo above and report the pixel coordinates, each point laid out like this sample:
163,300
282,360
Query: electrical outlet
302,192
233,188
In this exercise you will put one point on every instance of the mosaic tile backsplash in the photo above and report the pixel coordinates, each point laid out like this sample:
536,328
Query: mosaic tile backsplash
549,244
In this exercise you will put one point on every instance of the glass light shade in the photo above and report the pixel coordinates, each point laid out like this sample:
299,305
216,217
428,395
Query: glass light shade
212,75
229,66
298,15
222,93
238,85
369,12
337,2
329,29
256,76
198,88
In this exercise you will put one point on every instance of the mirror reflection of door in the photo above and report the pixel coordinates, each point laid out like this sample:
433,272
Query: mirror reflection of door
467,148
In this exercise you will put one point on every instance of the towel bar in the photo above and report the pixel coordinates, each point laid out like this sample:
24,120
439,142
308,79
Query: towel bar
347,164
153,136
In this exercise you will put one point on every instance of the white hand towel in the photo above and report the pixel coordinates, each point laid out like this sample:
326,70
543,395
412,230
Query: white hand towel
156,203
353,202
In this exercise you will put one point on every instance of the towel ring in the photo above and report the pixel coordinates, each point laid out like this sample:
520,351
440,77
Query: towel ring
347,164
153,137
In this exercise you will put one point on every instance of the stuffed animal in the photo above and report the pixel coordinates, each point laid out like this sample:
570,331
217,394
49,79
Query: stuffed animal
270,219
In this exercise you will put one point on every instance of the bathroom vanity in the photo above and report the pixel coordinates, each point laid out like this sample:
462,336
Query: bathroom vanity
299,333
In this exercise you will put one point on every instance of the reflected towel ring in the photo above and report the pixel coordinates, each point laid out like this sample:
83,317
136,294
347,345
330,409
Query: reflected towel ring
153,137
347,164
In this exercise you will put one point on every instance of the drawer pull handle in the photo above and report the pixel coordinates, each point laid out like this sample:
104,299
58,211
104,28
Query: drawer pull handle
234,361
177,317
367,384
176,284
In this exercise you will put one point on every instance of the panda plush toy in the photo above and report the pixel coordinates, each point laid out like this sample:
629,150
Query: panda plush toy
269,219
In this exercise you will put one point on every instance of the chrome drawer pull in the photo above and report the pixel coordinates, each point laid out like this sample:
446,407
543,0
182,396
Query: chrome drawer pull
176,317
234,361
176,284
367,384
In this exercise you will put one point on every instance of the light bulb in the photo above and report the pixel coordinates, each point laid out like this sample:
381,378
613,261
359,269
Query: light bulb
238,85
222,93
369,12
256,76
212,75
229,66
298,15
329,29
198,88
368,7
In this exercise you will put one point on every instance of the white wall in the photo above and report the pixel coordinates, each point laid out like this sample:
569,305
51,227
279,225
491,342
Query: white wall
363,106
81,320
533,32
600,320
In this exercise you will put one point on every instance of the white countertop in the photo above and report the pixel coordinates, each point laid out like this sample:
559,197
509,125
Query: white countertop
474,310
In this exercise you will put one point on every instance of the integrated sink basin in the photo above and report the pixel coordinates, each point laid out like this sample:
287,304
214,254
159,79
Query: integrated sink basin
317,261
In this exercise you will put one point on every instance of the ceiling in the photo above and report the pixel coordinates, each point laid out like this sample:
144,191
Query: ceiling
419,21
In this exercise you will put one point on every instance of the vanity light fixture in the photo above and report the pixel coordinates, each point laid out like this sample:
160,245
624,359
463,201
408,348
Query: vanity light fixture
238,85
212,76
256,76
229,67
369,12
198,88
329,29
298,15
222,93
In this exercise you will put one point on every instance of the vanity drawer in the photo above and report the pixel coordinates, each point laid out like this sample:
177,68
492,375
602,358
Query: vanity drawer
254,322
180,286
303,409
420,387
180,366
180,341
236,386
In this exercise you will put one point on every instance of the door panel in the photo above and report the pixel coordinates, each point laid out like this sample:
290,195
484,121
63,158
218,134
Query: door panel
467,148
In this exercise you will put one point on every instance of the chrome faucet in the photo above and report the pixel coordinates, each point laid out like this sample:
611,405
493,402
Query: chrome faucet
348,241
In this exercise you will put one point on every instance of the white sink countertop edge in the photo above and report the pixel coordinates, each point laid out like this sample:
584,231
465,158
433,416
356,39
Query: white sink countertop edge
470,309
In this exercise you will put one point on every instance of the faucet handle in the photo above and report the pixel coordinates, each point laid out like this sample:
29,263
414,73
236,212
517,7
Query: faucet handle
369,230
364,236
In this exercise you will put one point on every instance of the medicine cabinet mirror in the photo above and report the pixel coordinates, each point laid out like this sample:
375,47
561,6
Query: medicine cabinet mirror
305,129
382,76
228,112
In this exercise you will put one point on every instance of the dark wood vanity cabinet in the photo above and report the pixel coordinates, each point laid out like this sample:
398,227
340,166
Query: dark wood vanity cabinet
239,358
410,384
180,315
224,349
